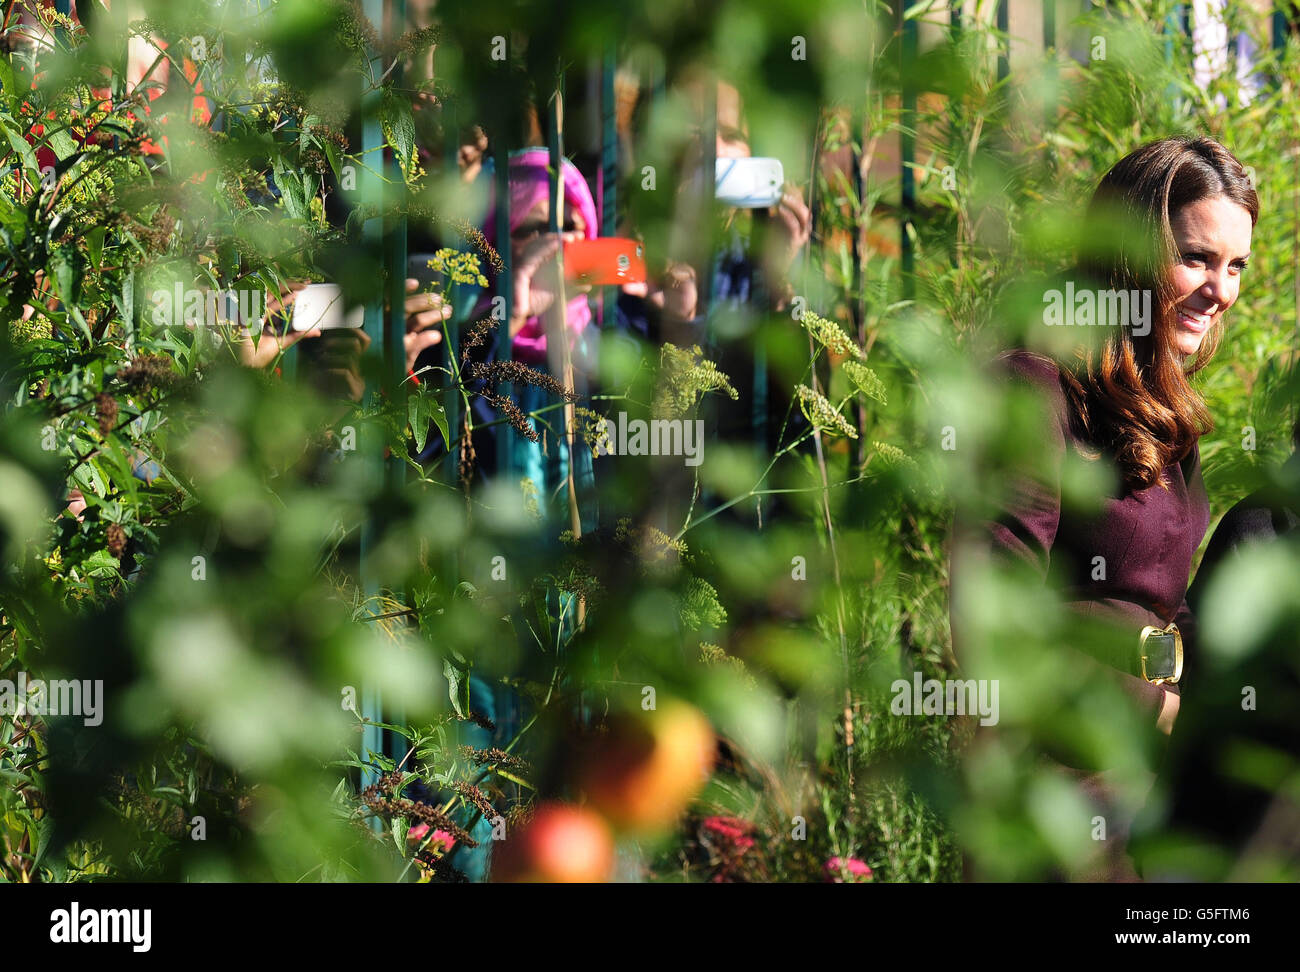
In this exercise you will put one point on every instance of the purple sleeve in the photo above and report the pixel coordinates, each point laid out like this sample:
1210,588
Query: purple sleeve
1026,525
1028,519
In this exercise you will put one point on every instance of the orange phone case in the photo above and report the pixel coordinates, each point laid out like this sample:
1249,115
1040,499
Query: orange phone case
605,261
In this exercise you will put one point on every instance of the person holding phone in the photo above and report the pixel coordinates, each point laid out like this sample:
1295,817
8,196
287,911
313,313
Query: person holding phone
537,315
756,277
533,250
1173,219
755,227
424,313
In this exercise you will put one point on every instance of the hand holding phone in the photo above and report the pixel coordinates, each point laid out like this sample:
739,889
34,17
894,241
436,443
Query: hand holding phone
320,307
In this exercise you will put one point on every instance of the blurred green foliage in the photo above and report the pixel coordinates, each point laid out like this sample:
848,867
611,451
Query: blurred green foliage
270,573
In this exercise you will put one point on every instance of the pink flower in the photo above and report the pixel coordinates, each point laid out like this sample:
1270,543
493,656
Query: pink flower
446,839
420,831
729,838
837,867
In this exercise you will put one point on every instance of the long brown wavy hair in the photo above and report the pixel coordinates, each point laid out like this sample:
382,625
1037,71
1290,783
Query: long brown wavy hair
1129,394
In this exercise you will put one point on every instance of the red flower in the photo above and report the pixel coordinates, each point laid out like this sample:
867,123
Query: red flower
730,828
857,872
732,832
728,839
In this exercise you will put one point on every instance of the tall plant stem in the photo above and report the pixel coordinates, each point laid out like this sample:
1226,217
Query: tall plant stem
846,669
825,495
561,334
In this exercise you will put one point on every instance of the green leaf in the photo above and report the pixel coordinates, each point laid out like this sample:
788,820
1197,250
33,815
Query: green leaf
399,127
24,150
119,468
305,138
74,312
400,730
421,407
95,246
396,433
456,668
44,831
916,9
63,277
439,415
291,190
62,144
101,564
332,154
399,833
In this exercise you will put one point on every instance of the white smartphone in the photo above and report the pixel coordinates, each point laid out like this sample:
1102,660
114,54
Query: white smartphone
748,183
321,306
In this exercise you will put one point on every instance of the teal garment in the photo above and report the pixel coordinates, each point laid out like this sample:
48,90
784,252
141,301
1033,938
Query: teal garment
546,463
473,861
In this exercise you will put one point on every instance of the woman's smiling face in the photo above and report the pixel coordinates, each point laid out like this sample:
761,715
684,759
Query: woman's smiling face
1212,245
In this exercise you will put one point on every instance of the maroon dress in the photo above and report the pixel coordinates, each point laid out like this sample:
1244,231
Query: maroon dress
1148,537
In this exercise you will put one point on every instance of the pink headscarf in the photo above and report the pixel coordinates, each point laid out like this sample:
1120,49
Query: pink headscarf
529,183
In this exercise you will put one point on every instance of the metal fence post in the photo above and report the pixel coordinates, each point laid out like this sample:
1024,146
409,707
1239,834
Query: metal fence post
608,201
505,437
379,331
1004,41
907,150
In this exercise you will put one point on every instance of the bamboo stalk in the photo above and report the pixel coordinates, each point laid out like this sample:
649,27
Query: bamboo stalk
562,316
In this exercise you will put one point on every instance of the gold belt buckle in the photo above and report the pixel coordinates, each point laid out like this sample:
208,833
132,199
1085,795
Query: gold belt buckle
1162,654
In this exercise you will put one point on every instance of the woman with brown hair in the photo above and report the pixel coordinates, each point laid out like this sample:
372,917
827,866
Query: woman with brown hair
1172,221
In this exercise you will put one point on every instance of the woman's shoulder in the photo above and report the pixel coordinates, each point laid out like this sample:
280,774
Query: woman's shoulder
1042,375
1030,366
1034,369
